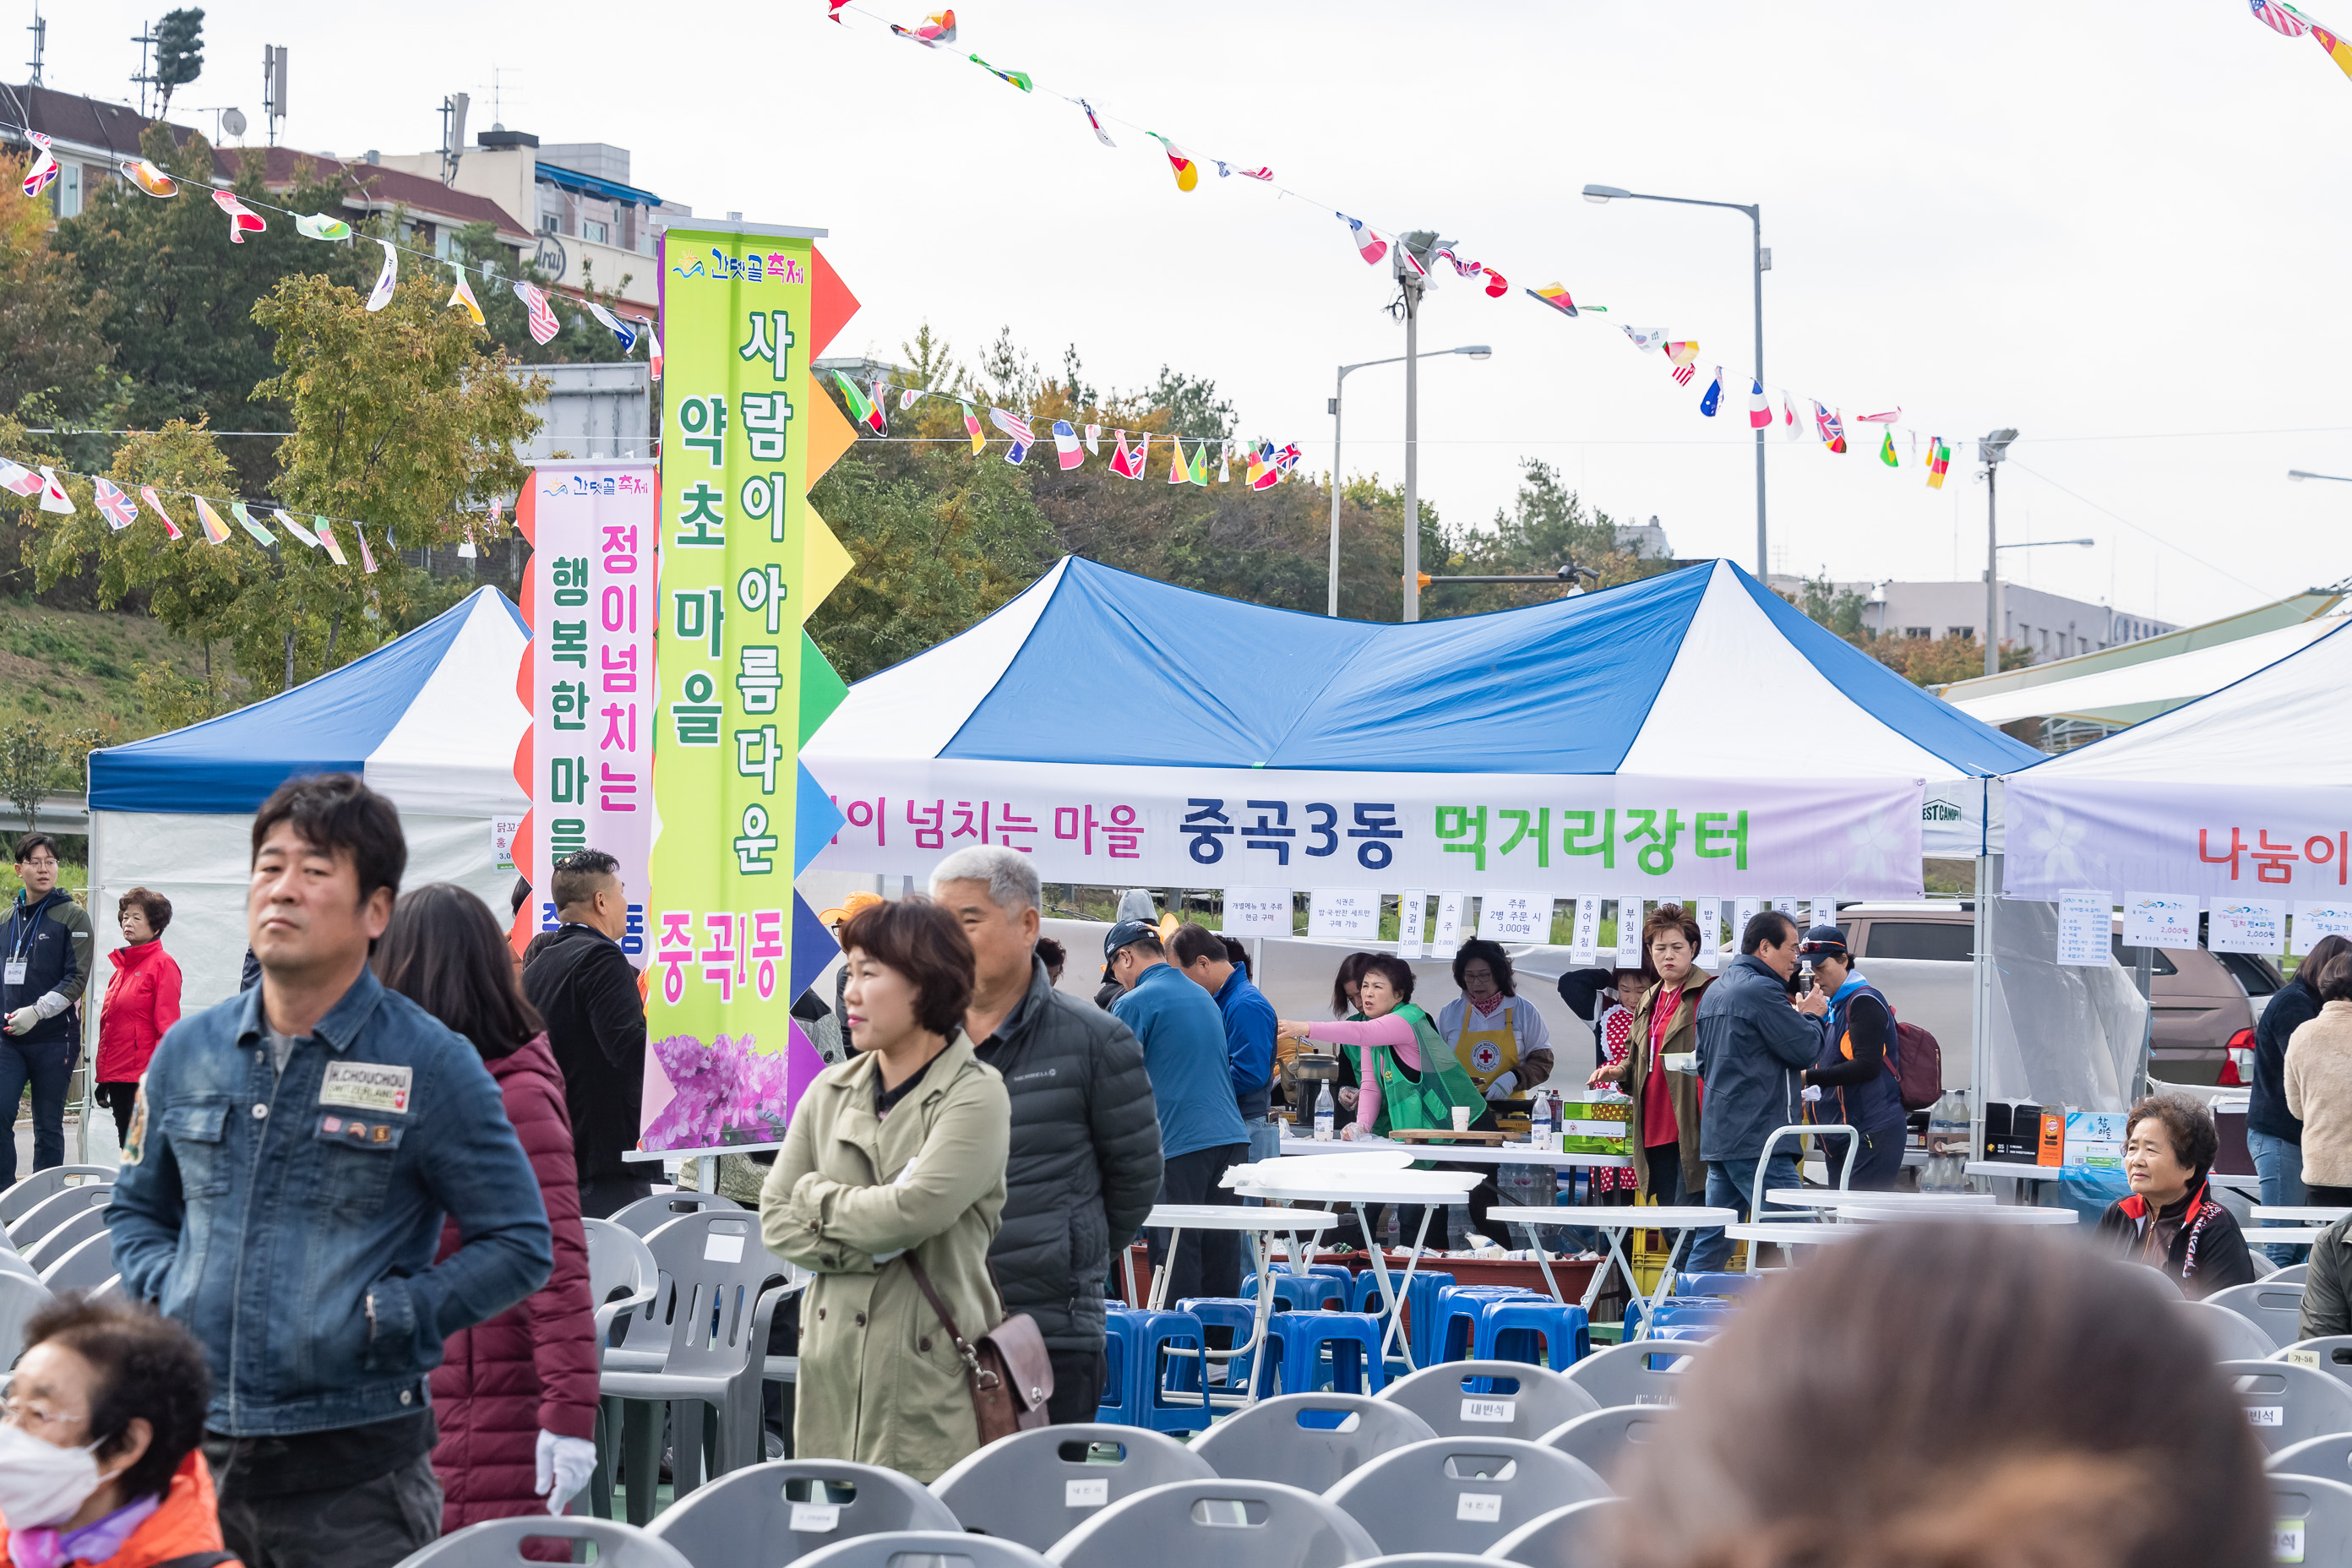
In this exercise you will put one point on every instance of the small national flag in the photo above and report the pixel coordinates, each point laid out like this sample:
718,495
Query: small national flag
1267,470
1887,418
653,352
463,295
544,324
1712,398
1832,428
44,172
385,279
319,226
261,535
1556,296
1886,450
1645,338
1101,135
1789,416
1369,245
367,556
1759,408
1496,284
1199,471
2279,18
1461,269
1017,79
286,521
1188,174
938,28
1260,173
907,395
1225,463
1940,460
216,531
53,494
1256,472
119,510
155,504
860,411
2337,49
149,178
1287,458
874,416
1683,373
1178,474
972,428
18,479
1125,464
1066,444
242,220
466,551
1012,425
1682,352
624,336
1094,439
1411,261
319,526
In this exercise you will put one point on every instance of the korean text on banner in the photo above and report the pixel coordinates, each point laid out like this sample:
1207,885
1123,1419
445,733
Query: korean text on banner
2220,842
735,313
592,568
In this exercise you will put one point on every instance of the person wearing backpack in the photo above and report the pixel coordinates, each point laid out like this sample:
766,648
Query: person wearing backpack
1858,1079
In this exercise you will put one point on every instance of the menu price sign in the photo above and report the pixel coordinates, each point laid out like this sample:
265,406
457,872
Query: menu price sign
1629,934
2313,921
1413,916
2082,927
1515,916
2160,919
1349,914
1710,932
1584,942
1448,934
2247,925
1257,912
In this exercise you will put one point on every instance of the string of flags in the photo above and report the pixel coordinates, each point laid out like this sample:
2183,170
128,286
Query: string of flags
2284,20
243,220
119,511
1374,245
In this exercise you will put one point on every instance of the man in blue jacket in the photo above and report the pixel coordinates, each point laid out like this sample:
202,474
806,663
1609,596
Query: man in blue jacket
292,1156
1201,1132
1206,961
47,949
1753,1049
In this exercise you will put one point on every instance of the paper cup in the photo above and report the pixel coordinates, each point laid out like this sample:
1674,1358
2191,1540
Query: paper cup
1461,1118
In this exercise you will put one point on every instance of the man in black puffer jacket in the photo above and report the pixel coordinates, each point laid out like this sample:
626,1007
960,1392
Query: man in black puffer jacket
1083,1168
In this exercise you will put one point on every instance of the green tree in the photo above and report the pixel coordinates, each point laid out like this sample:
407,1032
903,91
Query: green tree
27,757
179,52
55,362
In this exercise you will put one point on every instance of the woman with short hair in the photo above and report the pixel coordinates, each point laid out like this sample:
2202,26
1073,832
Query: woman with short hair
2319,1080
2171,1221
892,1173
1500,1039
100,1460
1665,1144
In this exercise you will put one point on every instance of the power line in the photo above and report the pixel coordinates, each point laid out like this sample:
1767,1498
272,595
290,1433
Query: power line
2135,527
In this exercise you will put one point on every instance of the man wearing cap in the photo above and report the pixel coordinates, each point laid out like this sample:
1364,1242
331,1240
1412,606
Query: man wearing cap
1753,1048
1201,1131
1855,1080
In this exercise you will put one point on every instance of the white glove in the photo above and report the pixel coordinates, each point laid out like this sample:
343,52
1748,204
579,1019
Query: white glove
564,1464
1502,1086
50,1004
23,1019
1812,1091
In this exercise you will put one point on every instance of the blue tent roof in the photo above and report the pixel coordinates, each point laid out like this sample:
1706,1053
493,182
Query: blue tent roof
335,723
1118,668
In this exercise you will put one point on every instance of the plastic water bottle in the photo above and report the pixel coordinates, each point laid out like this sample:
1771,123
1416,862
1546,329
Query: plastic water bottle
1947,1145
1324,1115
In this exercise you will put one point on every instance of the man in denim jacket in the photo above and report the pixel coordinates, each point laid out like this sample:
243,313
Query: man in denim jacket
292,1157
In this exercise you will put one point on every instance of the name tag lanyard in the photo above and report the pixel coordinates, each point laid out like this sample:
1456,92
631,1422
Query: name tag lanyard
20,938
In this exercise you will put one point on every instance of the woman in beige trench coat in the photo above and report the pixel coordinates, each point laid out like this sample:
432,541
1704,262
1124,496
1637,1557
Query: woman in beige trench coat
898,1152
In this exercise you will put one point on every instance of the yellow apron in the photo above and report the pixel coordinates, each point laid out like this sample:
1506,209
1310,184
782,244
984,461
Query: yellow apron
1487,1053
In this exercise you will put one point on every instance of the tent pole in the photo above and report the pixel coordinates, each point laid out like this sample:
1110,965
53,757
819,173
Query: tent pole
89,1022
1988,889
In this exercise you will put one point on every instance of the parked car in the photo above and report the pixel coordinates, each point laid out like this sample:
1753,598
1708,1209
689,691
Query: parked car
2204,1003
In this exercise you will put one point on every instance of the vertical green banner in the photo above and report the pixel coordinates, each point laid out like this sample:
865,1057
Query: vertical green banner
734,460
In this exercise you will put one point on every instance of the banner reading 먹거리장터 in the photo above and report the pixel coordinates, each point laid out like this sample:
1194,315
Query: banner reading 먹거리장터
589,602
736,302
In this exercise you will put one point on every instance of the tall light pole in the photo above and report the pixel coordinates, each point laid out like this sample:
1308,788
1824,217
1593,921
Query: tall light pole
1338,387
2301,474
1604,194
1991,450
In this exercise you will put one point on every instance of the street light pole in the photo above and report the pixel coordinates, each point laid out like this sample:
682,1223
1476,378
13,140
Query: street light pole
1604,194
1339,393
1412,449
1990,451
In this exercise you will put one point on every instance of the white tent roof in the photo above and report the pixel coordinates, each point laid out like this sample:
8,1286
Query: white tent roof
2135,692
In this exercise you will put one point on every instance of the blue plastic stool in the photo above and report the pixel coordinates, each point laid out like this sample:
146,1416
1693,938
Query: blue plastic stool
1118,1407
1338,1351
1507,1331
1714,1310
1137,1338
1233,1313
1715,1284
1421,1299
1298,1293
1453,1326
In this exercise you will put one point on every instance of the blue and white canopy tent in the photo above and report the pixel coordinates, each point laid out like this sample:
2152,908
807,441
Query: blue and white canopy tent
430,718
1126,731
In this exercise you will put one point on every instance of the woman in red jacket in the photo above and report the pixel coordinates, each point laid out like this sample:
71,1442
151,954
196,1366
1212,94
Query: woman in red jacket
516,1396
142,1000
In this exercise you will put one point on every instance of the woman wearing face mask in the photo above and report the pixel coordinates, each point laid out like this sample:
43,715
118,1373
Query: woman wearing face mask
98,1453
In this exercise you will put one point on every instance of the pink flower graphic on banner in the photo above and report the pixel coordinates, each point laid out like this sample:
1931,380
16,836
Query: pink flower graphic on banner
729,1093
2053,842
1876,841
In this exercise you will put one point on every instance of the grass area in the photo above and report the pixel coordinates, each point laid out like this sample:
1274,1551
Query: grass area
73,669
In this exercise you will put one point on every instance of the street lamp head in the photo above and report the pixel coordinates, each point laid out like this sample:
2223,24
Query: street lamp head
2297,475
1477,351
1995,447
1604,194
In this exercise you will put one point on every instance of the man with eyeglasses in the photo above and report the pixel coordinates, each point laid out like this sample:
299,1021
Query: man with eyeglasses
45,958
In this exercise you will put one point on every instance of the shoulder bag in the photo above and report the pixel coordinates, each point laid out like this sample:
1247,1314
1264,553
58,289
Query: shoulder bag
1010,1376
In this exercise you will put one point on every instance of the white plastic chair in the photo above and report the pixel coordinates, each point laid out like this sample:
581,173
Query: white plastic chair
1307,1440
1036,1487
498,1543
2312,1521
1581,1535
754,1515
1540,1400
647,1216
2331,1353
1601,1439
922,1549
89,1266
2275,1308
1228,1524
2292,1274
19,1200
2233,1336
2287,1404
20,1296
54,1210
1461,1494
65,1238
2329,1458
1647,1371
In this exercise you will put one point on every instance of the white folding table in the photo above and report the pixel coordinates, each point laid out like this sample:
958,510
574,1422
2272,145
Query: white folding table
2302,1214
1258,1225
1283,1181
1848,1197
1617,1220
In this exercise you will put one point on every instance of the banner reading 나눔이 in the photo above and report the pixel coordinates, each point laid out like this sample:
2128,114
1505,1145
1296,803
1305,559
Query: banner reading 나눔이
735,315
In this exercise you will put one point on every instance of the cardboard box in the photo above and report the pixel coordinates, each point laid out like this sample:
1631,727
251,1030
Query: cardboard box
2094,1140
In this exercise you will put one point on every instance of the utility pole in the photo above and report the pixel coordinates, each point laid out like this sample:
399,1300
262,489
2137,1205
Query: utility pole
1338,390
1990,452
1412,278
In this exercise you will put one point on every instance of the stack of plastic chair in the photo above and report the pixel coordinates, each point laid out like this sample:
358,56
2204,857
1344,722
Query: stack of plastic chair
1227,1522
777,1511
1461,1494
1510,1327
1237,1318
1708,1313
1137,1386
1454,1322
42,1217
1307,1440
1037,1486
1301,1293
1338,1351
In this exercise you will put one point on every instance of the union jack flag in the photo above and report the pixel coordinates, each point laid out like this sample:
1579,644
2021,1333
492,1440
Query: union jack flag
2279,18
1683,373
119,510
45,171
544,324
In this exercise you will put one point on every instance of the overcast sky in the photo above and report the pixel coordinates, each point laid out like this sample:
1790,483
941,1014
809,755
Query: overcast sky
2117,227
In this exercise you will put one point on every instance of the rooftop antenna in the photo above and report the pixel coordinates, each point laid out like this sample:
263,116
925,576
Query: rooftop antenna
452,134
497,85
40,31
273,89
145,40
